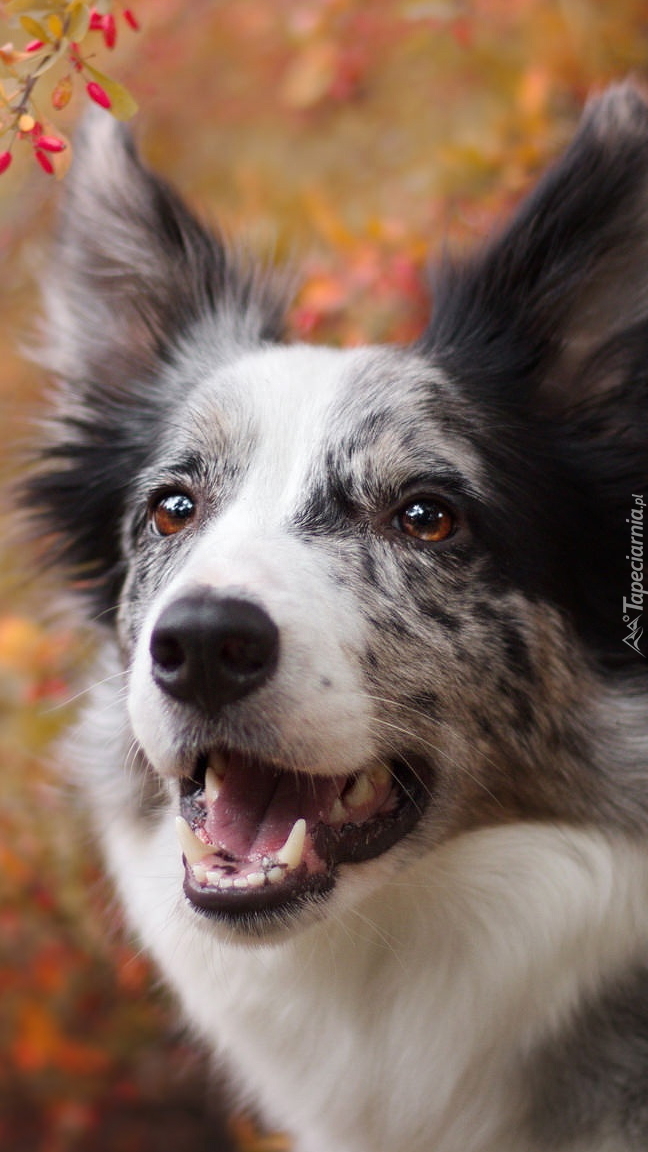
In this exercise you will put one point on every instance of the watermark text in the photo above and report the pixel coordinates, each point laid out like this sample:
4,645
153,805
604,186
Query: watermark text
633,605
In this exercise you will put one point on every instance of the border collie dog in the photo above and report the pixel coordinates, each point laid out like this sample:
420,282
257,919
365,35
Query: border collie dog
367,749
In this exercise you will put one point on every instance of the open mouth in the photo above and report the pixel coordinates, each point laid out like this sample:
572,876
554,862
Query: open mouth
258,839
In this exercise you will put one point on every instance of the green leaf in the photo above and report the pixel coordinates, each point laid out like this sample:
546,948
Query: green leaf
50,59
79,21
123,105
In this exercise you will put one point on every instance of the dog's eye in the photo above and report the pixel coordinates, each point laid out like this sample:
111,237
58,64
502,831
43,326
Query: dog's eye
427,520
171,513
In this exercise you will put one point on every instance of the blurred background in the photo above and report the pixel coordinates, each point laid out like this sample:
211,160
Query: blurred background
356,139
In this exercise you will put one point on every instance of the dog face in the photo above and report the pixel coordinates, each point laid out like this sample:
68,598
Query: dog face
285,571
365,599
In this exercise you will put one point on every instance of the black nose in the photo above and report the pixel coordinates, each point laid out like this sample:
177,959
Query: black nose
209,651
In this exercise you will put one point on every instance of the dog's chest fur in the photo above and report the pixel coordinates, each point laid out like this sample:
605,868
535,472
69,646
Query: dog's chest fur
336,1024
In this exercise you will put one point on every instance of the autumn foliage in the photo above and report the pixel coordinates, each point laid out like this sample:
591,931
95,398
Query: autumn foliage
353,139
42,70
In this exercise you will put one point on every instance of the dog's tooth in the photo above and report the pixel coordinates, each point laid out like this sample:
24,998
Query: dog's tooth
225,882
194,850
275,874
380,777
360,792
293,849
200,873
338,813
213,876
213,784
217,763
241,882
256,879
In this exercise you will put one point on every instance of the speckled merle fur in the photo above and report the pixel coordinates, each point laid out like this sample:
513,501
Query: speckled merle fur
493,661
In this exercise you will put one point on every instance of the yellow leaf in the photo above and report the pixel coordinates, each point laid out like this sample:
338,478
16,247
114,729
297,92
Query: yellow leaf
33,28
122,104
28,7
15,7
55,25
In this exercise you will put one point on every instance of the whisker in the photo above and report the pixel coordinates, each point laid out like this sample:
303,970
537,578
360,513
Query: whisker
85,691
438,752
402,706
426,743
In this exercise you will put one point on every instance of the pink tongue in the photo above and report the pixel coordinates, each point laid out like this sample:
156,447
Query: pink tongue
257,807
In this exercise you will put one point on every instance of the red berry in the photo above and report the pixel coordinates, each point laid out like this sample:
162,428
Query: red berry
45,162
96,21
50,144
34,45
98,94
109,31
5,161
131,19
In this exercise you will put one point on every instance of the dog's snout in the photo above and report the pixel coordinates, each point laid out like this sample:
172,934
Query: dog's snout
209,650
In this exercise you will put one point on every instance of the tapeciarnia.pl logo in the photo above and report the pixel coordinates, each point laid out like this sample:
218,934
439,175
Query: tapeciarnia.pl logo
634,604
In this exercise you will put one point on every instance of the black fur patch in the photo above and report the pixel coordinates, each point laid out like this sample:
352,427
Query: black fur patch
533,332
79,494
123,393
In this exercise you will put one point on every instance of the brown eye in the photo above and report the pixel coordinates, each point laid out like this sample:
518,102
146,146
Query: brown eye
425,520
172,513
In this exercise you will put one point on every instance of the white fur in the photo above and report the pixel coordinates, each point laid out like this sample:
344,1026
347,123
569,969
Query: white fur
403,1024
248,552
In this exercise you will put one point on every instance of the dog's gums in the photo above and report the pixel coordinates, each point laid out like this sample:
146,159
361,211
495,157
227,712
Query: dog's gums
255,837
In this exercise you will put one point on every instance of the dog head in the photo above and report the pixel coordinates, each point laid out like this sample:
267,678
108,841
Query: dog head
367,598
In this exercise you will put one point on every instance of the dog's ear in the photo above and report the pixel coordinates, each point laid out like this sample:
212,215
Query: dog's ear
546,334
525,316
134,275
134,271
